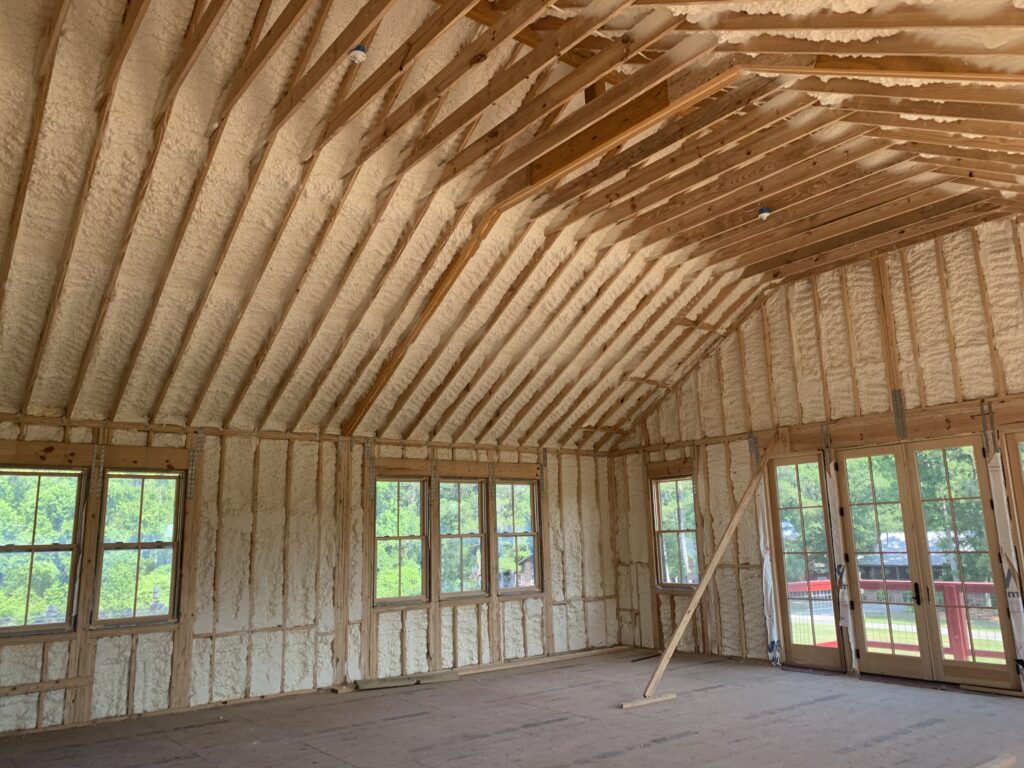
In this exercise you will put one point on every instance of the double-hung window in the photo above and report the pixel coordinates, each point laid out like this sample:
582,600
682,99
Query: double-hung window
675,530
38,546
400,540
516,514
459,511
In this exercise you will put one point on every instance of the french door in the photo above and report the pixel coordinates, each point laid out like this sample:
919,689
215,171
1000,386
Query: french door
927,592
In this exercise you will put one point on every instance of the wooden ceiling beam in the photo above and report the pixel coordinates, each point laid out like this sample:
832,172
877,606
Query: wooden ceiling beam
647,33
919,231
469,57
542,56
905,17
733,227
190,50
771,176
368,17
108,89
44,75
797,239
969,93
439,22
860,231
703,160
255,173
640,93
900,44
923,67
680,129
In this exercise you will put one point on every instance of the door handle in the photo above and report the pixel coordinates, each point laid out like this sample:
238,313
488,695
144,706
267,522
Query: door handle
917,593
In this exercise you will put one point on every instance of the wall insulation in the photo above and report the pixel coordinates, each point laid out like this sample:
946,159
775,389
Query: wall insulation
813,349
282,584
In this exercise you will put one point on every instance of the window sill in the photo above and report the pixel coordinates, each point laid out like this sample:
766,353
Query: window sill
681,590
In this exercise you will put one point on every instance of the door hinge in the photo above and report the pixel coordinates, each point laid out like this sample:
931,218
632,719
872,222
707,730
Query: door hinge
836,465
853,605
841,513
856,653
846,557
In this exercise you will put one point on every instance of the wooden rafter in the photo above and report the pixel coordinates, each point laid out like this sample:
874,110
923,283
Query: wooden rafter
44,75
108,89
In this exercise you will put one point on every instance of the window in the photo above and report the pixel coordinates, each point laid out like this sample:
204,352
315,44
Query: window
37,545
461,540
398,528
517,536
138,557
675,521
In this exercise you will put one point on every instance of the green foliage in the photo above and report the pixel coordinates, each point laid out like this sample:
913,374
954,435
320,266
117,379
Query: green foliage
398,524
36,508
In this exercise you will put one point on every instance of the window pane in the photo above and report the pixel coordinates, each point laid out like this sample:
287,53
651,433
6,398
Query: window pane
51,577
814,529
668,506
523,508
858,475
970,525
387,569
963,477
792,529
124,497
386,509
412,568
14,568
883,467
786,487
688,555
503,496
451,565
671,561
117,584
687,511
448,494
472,573
155,572
470,508
158,505
932,473
810,484
410,511
58,498
17,508
516,562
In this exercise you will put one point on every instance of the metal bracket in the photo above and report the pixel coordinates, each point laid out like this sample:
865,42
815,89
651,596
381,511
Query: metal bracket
990,438
96,471
193,461
899,413
827,454
754,447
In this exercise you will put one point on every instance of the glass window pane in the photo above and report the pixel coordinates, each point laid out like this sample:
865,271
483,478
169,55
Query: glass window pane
970,525
449,508
14,567
472,573
671,562
58,499
17,508
963,475
945,570
117,584
451,565
810,484
503,497
931,471
470,508
516,567
986,635
865,534
801,631
668,506
903,622
823,612
883,471
124,499
412,568
523,509
688,555
786,485
410,511
977,568
159,500
387,569
796,573
687,509
155,574
814,529
792,529
51,579
938,520
890,526
386,508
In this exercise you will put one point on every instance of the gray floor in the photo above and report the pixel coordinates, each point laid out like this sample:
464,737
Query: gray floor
563,714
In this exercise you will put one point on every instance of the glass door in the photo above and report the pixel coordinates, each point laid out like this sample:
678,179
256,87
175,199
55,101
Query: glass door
885,575
964,586
808,603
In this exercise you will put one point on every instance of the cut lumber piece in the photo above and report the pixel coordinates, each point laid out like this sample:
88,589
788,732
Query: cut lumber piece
705,580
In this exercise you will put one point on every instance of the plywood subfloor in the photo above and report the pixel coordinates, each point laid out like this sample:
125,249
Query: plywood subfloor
566,714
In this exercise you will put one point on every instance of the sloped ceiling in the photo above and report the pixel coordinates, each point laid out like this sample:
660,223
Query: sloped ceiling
512,223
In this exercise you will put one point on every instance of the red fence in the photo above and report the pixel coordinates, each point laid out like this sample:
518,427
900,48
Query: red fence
951,596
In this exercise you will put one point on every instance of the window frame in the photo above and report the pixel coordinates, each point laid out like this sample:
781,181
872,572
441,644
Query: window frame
660,584
177,546
425,535
483,518
538,571
75,548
